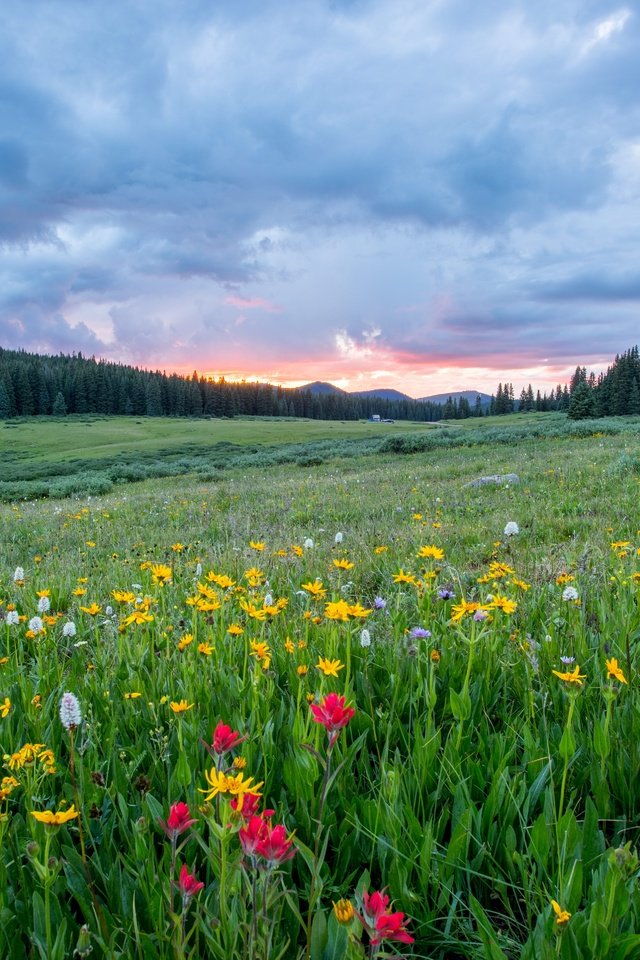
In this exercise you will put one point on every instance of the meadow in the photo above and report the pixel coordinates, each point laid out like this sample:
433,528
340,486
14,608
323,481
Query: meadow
325,703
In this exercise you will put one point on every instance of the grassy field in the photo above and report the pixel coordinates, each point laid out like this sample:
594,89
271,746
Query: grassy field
484,782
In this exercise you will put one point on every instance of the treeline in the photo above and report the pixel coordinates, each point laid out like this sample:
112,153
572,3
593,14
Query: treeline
35,385
612,394
503,401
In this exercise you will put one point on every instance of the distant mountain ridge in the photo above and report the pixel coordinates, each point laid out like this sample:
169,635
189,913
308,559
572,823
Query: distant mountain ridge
321,387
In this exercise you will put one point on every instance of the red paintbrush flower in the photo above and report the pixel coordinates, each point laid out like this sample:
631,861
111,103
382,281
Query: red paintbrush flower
274,845
225,739
249,806
178,821
380,922
332,714
188,884
251,834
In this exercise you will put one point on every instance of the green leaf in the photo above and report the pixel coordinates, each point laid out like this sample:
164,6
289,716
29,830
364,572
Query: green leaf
318,935
338,940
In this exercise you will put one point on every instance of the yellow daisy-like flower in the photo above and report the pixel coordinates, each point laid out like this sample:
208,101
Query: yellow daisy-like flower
302,670
502,603
225,784
205,648
160,573
614,671
258,545
221,580
329,667
431,552
564,578
55,819
402,577
93,610
289,645
316,589
138,617
377,550
5,707
573,676
185,641
297,550
460,610
337,610
357,610
562,916
235,630
177,547
133,695
343,564
181,706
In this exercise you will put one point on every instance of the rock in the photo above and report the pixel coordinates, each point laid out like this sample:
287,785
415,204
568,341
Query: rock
497,478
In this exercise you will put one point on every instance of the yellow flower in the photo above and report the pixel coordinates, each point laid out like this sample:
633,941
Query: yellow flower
343,911
502,603
177,547
90,543
160,573
570,677
260,650
234,786
257,545
239,763
235,630
93,610
435,656
402,577
205,648
620,544
562,916
329,667
337,610
132,696
613,670
289,646
3,660
257,613
357,610
343,564
138,617
435,553
302,670
56,819
181,706
5,707
316,589
123,596
460,610
376,550
563,578
298,551
185,641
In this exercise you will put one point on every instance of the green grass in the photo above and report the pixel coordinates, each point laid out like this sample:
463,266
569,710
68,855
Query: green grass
472,784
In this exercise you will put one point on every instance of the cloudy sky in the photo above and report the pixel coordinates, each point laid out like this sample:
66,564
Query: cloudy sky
420,194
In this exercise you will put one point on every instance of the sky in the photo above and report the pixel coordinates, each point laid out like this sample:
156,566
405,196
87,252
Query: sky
425,195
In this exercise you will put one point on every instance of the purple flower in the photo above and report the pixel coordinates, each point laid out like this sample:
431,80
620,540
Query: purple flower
568,660
379,603
445,593
480,615
419,633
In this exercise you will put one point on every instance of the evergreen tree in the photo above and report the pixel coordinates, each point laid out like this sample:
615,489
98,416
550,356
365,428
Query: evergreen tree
581,405
5,403
59,408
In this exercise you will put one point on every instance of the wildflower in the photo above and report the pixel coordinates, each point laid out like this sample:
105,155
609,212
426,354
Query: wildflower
5,707
160,574
185,641
188,884
178,821
435,656
343,911
562,916
343,564
512,529
225,739
433,553
308,544
180,706
133,695
569,593
36,625
18,576
504,604
380,549
567,660
235,786
480,615
177,547
274,845
614,671
44,605
235,630
316,589
339,537
55,819
12,618
70,713
247,805
419,633
570,677
379,603
402,577
330,668
380,922
93,610
365,639
333,714
563,578
357,610
289,645
445,593
302,670
261,651
459,610
69,629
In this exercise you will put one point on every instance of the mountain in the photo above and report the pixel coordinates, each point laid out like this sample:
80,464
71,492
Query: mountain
382,394
469,395
319,386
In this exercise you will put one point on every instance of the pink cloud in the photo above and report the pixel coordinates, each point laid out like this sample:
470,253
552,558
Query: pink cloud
253,303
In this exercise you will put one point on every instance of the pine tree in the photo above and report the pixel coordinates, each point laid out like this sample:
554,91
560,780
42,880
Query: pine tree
581,405
59,408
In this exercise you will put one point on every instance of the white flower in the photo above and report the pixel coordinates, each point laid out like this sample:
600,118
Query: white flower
511,529
338,537
308,544
70,714
12,618
69,629
198,569
36,625
268,600
44,605
108,611
569,593
365,639
18,576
